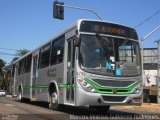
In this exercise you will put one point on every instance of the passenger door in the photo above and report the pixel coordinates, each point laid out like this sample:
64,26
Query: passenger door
15,84
34,74
70,89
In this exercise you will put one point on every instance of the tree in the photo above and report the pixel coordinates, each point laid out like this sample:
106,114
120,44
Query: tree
22,52
2,63
5,71
19,54
2,73
7,78
14,59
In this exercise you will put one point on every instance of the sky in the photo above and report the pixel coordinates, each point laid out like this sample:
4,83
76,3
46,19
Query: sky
29,23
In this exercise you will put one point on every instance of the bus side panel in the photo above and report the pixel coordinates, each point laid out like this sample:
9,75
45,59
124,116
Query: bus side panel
26,86
44,77
17,84
23,81
15,80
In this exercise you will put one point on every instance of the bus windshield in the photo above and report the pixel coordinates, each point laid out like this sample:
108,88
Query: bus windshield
109,55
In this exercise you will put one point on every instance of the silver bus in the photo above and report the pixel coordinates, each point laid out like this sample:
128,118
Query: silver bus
92,63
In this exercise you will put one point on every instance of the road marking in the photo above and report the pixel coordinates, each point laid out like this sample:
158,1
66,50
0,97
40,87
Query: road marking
10,105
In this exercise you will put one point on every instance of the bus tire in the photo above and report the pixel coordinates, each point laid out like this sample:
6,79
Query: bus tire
54,101
21,98
20,95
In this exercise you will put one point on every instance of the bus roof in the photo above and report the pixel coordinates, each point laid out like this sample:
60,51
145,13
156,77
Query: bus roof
75,25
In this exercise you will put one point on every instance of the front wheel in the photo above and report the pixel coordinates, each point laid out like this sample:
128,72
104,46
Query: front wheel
54,101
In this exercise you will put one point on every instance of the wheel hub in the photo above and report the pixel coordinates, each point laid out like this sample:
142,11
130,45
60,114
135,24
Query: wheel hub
54,98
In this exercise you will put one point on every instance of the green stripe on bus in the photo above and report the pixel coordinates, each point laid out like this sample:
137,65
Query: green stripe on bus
37,86
107,90
66,85
61,85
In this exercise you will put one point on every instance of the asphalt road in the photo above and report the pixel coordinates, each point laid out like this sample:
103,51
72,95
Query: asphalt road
12,109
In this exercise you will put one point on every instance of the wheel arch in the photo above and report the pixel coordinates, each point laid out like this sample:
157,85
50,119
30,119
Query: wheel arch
53,86
20,91
20,88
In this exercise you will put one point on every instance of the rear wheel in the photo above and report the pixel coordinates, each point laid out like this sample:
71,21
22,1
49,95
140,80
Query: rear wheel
54,101
21,98
20,95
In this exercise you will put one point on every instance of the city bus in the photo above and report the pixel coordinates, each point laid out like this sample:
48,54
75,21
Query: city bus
92,63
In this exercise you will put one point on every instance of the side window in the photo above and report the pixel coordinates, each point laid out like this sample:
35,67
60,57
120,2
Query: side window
44,56
28,63
57,51
13,70
19,67
23,66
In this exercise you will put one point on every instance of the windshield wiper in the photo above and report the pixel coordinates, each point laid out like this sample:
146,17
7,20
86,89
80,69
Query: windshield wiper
102,41
124,43
96,68
122,62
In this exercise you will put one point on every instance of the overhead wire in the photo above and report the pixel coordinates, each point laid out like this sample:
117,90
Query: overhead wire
8,49
147,19
8,54
3,53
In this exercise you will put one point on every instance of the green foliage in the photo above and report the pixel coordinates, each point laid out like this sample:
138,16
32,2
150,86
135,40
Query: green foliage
2,63
22,52
5,71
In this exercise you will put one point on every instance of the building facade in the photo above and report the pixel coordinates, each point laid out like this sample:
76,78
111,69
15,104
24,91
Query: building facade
150,66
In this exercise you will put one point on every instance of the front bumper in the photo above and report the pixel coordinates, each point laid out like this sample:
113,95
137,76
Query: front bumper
84,98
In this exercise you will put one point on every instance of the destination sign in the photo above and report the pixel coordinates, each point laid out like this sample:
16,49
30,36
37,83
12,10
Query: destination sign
108,28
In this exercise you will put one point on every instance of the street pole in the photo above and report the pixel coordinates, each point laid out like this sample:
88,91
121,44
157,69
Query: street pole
158,73
82,9
142,52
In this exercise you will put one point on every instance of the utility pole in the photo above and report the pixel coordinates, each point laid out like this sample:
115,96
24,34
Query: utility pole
142,41
158,73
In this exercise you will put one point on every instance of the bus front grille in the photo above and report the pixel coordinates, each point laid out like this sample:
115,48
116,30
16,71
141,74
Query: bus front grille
114,98
113,83
111,91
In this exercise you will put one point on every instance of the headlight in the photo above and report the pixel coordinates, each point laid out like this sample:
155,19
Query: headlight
86,86
137,89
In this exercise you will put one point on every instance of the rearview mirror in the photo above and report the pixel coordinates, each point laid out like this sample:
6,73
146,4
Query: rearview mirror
77,41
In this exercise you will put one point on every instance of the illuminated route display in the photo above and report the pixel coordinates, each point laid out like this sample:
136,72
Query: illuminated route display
108,28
